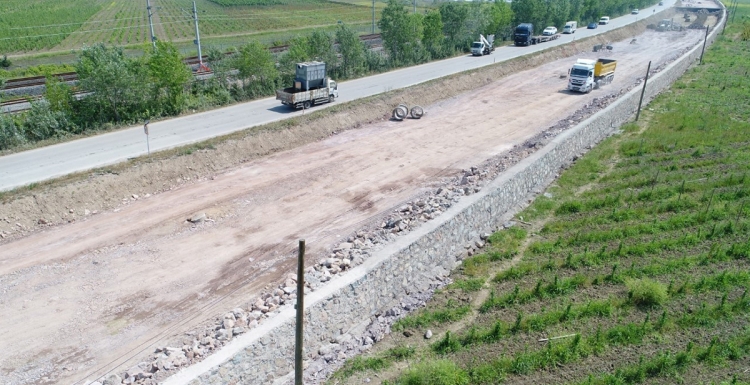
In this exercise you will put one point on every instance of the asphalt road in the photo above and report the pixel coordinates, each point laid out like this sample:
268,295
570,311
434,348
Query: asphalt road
45,163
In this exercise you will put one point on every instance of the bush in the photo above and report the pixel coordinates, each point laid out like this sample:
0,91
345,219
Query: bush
44,123
10,134
5,63
440,372
569,208
646,292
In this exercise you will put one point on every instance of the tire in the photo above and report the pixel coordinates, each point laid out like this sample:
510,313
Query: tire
306,104
417,112
399,113
331,99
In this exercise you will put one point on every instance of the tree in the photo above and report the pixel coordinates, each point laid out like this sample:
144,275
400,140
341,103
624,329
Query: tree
500,20
59,95
433,38
454,16
169,76
352,52
401,32
118,85
256,68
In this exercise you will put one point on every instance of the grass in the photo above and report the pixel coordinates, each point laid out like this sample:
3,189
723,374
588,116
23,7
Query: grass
637,251
46,25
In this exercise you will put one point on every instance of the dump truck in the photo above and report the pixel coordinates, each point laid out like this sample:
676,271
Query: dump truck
483,46
311,86
588,74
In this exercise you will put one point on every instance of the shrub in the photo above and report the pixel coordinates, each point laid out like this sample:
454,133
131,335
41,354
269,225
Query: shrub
646,292
569,208
440,372
10,134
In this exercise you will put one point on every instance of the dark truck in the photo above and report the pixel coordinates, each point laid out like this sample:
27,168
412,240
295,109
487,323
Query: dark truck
524,35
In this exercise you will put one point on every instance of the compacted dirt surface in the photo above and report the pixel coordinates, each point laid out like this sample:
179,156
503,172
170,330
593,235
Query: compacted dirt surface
77,297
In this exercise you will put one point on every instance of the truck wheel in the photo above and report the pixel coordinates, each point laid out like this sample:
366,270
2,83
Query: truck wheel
306,104
331,99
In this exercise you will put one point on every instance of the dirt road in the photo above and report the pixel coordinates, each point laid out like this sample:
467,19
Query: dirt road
78,296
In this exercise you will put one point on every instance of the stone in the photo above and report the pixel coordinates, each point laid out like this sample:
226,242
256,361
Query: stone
222,335
237,331
112,379
407,333
428,334
228,324
197,218
290,290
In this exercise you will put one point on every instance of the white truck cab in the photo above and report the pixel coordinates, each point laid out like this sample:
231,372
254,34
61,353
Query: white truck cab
604,20
570,27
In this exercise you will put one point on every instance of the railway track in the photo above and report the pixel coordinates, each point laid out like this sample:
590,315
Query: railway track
190,61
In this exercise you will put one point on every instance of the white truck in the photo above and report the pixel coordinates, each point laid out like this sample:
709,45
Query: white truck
570,27
588,74
483,46
311,86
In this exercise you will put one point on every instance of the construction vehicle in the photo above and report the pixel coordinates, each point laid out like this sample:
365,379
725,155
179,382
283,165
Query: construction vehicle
483,46
524,35
311,86
588,74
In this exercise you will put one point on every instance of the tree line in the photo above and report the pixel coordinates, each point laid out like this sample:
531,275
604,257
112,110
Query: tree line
121,90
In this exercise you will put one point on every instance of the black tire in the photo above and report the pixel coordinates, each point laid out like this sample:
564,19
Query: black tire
331,99
306,104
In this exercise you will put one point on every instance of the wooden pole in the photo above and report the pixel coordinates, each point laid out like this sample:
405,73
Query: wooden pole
704,45
643,91
300,306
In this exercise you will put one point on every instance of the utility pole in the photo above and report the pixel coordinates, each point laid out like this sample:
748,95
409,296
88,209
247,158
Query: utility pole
300,307
373,16
197,35
150,22
415,6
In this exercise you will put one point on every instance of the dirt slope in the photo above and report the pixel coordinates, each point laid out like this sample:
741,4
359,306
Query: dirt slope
79,295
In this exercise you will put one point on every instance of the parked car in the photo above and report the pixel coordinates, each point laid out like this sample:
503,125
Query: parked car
604,20
549,31
634,12
661,3
593,25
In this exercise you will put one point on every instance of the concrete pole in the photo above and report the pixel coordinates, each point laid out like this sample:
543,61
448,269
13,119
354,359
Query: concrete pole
300,306
197,34
373,16
415,6
150,22
643,91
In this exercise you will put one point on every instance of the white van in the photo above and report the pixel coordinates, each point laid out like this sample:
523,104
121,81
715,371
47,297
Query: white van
604,20
570,27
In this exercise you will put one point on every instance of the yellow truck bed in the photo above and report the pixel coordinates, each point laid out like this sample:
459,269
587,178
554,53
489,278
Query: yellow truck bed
604,67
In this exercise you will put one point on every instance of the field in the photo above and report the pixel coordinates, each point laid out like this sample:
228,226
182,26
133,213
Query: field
632,268
62,26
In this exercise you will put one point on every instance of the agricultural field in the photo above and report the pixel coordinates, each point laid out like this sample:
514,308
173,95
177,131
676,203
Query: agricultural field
51,25
27,25
632,268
